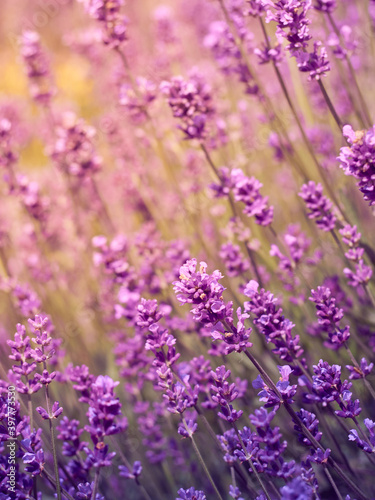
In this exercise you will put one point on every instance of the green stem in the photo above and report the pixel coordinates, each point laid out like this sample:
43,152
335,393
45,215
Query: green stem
352,73
330,105
51,480
200,458
96,484
333,484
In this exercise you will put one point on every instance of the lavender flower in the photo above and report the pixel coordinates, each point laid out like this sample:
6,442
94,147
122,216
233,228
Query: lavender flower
74,151
37,67
319,205
315,63
271,323
190,494
329,316
191,102
367,446
360,372
234,260
112,22
358,160
327,6
246,190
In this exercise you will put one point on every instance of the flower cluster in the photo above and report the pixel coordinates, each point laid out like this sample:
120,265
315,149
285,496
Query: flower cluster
319,205
37,67
358,160
329,316
190,102
112,22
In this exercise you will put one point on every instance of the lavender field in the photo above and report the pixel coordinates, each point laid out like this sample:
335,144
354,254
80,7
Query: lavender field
187,249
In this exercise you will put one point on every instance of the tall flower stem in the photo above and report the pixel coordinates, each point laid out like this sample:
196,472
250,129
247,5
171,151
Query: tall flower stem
352,73
265,101
330,106
307,142
53,443
52,481
201,460
333,484
53,437
96,484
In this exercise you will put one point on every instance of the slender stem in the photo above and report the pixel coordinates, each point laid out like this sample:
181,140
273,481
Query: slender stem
53,438
52,481
333,438
352,73
30,411
333,484
306,140
96,484
103,207
330,105
200,458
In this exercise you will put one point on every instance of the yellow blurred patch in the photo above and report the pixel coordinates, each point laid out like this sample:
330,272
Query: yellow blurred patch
72,80
12,81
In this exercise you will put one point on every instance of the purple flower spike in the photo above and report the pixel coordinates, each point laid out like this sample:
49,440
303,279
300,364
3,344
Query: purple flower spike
190,494
320,206
360,372
297,488
246,190
190,101
315,63
56,411
329,316
358,160
327,6
127,474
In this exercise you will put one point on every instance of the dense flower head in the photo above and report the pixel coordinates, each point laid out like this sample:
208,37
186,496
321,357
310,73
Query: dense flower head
271,322
229,57
203,291
113,23
311,422
319,205
235,262
137,101
191,102
315,63
327,6
330,315
37,67
74,151
246,190
7,154
358,160
297,488
292,22
190,494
